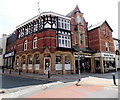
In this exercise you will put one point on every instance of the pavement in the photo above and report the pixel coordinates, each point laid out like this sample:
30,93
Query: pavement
93,82
86,78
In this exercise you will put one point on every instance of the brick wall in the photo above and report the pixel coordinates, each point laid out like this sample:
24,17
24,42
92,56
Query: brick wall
98,39
45,39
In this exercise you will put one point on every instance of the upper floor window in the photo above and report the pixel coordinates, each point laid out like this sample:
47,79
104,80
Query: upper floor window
26,31
25,45
64,24
106,46
35,42
64,41
81,38
35,27
105,32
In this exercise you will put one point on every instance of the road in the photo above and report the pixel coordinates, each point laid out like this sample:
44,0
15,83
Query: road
19,87
9,82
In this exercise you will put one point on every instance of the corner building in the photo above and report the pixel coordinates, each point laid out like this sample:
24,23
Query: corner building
44,43
61,44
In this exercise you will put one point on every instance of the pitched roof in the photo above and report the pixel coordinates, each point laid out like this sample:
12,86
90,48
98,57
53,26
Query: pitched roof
73,11
98,25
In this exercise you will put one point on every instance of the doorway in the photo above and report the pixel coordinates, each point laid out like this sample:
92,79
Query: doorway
47,64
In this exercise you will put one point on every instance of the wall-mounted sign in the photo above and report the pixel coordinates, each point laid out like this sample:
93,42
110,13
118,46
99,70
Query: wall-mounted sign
108,55
9,54
105,55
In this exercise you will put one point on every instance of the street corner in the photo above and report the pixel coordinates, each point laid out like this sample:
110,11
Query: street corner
69,91
96,81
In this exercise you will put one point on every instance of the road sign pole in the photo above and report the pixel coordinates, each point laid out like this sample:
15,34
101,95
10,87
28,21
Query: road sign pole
79,69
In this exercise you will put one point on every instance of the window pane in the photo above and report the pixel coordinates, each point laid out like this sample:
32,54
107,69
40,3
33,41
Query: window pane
58,59
66,43
37,59
62,41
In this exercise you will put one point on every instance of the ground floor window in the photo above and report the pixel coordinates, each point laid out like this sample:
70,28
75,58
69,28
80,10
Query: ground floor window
5,61
58,64
67,62
17,63
23,62
37,61
29,62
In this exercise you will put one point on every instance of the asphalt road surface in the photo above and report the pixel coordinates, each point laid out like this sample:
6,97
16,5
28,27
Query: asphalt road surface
9,82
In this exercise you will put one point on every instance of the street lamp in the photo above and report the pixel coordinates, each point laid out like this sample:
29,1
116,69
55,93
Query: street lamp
79,66
79,69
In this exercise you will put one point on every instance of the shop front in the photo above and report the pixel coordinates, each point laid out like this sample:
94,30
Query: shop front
9,59
104,62
84,61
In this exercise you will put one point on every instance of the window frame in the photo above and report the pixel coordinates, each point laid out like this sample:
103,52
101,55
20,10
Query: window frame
106,46
25,45
34,42
64,41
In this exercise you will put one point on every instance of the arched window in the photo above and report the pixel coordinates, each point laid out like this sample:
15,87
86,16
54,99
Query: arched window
37,61
58,62
35,42
23,62
25,45
107,46
30,61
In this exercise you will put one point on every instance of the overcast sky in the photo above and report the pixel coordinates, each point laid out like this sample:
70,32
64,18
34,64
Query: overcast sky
15,12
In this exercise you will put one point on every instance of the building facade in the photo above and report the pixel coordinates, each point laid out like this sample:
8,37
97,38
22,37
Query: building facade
117,53
2,48
101,40
9,56
59,44
80,45
44,43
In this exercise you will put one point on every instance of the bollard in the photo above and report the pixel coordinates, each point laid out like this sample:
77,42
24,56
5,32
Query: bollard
2,70
19,72
10,71
48,74
114,79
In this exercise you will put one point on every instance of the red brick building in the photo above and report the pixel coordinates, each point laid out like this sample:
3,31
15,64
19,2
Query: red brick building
59,44
101,40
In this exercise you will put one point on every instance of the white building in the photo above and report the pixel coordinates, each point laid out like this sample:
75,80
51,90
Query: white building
2,47
117,52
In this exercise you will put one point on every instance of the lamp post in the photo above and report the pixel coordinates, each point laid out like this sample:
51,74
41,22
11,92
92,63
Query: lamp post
79,67
79,70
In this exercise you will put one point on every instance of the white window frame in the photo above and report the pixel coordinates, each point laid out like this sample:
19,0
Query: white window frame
35,27
107,46
81,39
62,41
34,42
25,45
63,21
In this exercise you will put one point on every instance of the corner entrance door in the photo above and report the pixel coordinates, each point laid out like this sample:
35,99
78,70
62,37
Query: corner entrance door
47,64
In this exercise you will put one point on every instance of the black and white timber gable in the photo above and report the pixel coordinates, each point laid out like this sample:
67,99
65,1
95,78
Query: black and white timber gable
46,20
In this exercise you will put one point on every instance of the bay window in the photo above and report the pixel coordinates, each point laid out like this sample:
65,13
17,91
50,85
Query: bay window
64,41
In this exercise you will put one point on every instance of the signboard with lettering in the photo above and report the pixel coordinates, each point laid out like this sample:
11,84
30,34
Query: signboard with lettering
108,55
9,54
105,55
